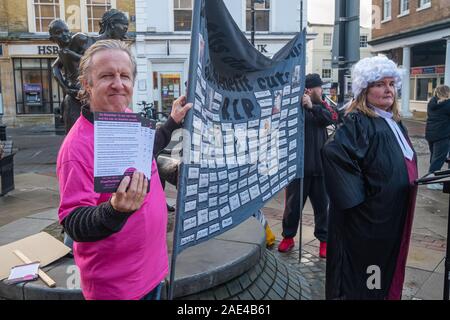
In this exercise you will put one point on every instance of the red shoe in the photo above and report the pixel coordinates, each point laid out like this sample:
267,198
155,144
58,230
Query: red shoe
286,245
323,250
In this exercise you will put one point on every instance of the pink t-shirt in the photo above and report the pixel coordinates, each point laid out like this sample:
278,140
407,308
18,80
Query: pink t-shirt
130,263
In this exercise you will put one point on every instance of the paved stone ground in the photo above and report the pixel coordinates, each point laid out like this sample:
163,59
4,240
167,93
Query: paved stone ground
36,192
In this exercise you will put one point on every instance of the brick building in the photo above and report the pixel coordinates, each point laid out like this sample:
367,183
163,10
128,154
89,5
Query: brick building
28,93
416,34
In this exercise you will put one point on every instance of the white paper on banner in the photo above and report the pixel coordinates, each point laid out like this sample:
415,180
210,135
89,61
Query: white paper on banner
233,175
254,192
265,103
218,97
286,90
197,105
224,211
213,215
202,216
187,239
203,180
245,197
227,222
223,175
293,111
202,197
214,228
213,189
262,94
189,223
253,123
292,122
292,145
266,112
234,202
193,173
191,190
202,233
223,200
295,90
189,206
212,202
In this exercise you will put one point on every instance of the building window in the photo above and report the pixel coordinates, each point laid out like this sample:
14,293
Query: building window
327,39
363,41
262,15
404,6
387,5
182,15
37,92
326,68
44,12
424,4
425,88
95,10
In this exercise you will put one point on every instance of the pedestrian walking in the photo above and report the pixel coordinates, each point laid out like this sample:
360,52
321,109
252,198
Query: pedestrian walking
437,132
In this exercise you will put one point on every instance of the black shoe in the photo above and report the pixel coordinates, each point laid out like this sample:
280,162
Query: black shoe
170,208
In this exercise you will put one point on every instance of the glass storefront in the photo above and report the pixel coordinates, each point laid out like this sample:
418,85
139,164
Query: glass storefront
37,92
424,80
168,88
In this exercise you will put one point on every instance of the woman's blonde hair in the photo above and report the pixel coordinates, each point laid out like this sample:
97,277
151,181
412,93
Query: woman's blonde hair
86,63
360,103
442,92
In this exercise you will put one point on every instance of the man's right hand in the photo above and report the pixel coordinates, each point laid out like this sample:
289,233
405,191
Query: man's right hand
306,101
130,200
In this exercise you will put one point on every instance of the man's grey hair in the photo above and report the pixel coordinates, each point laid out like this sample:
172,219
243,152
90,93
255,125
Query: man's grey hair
86,63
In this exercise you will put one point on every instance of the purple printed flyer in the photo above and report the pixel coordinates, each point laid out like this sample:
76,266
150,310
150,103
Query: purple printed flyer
123,143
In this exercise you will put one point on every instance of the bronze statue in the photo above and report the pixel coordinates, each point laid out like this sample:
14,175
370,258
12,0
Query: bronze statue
114,25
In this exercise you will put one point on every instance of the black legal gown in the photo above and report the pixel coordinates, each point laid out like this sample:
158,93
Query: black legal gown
371,196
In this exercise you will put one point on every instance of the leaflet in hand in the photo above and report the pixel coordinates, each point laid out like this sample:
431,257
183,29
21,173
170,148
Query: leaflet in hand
123,143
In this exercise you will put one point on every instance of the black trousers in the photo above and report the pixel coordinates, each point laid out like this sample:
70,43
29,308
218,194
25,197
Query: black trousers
314,188
438,153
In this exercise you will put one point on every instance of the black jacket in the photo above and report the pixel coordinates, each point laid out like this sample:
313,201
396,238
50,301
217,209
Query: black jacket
438,122
316,121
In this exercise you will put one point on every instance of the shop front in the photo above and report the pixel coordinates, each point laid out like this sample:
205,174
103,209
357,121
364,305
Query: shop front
423,82
31,96
168,85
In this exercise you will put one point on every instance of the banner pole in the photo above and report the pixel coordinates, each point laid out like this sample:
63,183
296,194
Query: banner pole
172,275
300,222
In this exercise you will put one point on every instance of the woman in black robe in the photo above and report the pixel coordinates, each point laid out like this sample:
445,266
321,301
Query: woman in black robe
370,169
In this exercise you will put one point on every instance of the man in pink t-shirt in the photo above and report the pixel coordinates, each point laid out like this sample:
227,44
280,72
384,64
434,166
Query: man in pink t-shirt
120,238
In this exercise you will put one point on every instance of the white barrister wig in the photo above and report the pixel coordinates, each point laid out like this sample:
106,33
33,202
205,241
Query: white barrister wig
373,69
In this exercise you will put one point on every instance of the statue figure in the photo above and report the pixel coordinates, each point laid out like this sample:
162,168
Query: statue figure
65,67
114,25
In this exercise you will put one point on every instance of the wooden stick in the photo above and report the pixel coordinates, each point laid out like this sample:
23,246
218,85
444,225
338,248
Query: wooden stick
48,281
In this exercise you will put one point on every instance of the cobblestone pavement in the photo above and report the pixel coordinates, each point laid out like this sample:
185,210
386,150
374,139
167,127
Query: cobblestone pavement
270,279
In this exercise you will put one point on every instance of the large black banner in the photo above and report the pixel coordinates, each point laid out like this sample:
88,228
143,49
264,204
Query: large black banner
244,140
